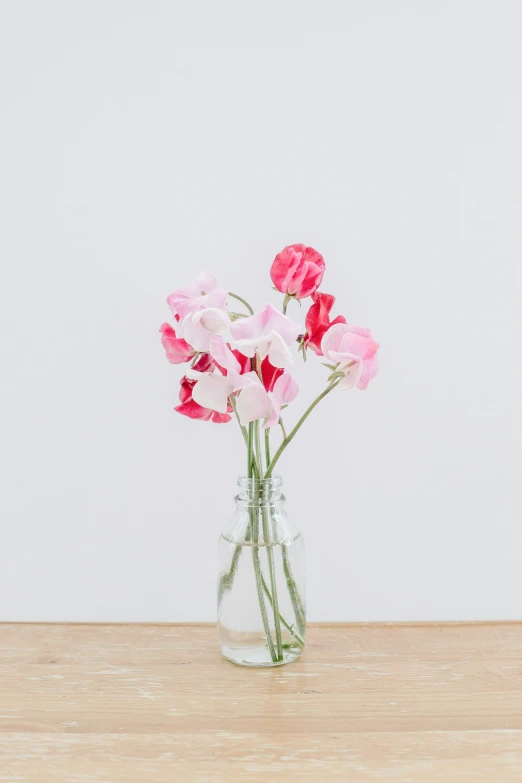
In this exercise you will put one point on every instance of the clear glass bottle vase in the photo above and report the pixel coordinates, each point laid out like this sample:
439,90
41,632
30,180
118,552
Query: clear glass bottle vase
261,583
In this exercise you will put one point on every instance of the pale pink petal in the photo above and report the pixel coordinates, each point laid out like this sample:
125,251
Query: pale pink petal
203,284
212,391
246,347
351,365
256,327
199,327
253,403
217,298
332,338
273,418
222,354
370,370
349,381
196,334
279,355
252,377
286,389
202,292
357,345
247,328
277,322
213,320
362,330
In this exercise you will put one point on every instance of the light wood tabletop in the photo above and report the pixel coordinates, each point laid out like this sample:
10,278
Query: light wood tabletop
157,703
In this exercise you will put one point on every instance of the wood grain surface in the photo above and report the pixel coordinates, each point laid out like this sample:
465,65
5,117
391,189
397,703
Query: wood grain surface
156,703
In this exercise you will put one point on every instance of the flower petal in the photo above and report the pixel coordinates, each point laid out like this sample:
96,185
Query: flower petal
202,292
220,418
222,354
212,391
253,403
270,374
286,389
297,270
278,352
177,349
213,320
332,338
193,410
199,327
256,327
195,334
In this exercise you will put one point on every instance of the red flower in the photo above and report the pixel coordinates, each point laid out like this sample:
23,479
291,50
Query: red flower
176,348
318,321
268,371
190,408
270,374
297,271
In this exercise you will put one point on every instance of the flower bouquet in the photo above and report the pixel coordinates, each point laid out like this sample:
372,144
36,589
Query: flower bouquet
240,366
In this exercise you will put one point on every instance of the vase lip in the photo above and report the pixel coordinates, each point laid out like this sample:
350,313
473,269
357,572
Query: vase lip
274,481
255,491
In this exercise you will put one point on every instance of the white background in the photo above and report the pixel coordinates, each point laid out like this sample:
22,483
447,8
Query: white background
144,141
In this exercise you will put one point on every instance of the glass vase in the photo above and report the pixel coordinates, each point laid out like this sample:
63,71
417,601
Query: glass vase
261,583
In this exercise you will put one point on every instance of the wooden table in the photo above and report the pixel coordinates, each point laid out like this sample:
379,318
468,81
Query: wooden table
156,703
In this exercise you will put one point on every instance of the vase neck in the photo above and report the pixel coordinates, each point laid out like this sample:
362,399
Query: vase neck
260,491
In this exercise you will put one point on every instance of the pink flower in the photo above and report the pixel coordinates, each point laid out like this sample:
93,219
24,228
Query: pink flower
189,407
213,388
318,322
203,292
269,373
267,333
200,326
353,352
176,348
254,402
297,271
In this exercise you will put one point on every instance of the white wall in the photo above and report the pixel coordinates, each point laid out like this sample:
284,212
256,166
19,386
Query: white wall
143,141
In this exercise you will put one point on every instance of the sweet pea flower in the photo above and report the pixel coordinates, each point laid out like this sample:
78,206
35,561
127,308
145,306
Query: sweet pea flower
267,333
297,271
254,402
318,322
189,407
353,352
176,348
201,325
202,293
269,373
213,388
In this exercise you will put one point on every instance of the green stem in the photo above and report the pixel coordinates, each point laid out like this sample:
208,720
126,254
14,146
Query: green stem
301,421
273,583
254,523
290,628
243,301
232,400
227,579
297,604
269,554
267,446
250,450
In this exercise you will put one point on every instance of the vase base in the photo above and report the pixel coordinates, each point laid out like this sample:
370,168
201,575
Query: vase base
258,656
